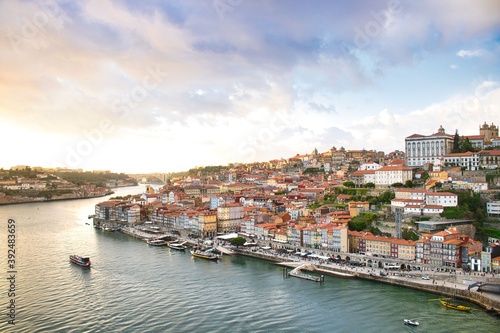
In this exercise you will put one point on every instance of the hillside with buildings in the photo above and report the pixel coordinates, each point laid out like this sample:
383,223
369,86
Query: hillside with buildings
426,205
29,184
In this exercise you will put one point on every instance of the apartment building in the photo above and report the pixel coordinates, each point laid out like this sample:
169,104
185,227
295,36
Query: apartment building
468,160
489,159
493,208
390,174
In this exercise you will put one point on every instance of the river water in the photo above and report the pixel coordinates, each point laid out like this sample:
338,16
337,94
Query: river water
133,287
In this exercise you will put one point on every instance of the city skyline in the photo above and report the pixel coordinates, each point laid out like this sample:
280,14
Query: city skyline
165,86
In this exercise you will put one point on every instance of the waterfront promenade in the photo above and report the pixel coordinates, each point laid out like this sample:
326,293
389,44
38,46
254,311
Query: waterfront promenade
441,283
446,284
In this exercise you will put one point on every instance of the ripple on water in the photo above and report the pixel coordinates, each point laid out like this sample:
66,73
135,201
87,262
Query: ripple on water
133,287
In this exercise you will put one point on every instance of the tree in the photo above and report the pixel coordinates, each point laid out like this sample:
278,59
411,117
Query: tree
397,185
370,185
348,183
362,221
409,184
238,241
456,143
358,223
466,146
386,197
409,234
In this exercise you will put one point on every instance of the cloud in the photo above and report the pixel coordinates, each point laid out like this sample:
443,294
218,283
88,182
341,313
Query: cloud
465,113
471,53
174,73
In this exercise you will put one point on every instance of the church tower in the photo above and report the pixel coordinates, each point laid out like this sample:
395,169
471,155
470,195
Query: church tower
488,132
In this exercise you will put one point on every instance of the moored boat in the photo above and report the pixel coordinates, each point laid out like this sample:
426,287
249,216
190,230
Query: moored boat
110,228
177,246
83,261
455,306
156,242
411,322
205,254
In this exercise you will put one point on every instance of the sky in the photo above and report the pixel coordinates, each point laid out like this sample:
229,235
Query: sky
163,86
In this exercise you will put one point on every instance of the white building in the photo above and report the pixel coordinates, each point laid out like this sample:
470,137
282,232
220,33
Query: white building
422,149
388,175
362,177
495,142
410,193
432,209
445,199
493,208
369,166
469,160
422,202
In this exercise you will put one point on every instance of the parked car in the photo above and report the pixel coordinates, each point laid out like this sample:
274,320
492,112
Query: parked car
426,277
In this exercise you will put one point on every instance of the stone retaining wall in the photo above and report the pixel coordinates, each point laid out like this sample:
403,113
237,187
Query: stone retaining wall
471,296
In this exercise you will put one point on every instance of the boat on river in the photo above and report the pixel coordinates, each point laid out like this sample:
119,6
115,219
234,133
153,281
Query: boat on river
83,261
205,254
156,242
455,306
177,246
110,228
411,322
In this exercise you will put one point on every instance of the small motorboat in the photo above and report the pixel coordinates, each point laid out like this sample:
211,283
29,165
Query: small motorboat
156,242
110,228
411,322
83,261
177,246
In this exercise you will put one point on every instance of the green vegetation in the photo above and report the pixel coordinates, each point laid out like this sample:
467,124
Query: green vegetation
386,197
471,207
359,192
482,234
206,170
453,213
48,194
238,241
408,184
461,146
362,222
410,234
26,173
438,185
97,179
493,177
313,171
349,184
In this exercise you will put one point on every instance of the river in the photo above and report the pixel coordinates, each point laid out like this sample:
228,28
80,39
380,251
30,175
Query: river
133,287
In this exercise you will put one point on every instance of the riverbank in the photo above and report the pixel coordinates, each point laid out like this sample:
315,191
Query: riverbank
443,284
455,286
23,200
